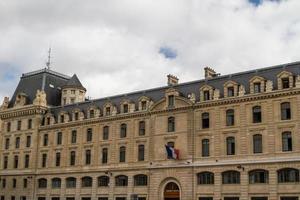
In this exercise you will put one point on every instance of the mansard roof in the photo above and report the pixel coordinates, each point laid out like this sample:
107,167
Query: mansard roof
187,88
74,82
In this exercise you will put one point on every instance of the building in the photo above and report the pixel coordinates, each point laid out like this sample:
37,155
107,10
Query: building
237,136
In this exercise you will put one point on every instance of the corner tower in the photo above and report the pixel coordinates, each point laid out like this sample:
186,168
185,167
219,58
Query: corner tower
73,91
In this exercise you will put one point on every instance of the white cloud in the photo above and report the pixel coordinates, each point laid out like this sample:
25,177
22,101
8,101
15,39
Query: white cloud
113,46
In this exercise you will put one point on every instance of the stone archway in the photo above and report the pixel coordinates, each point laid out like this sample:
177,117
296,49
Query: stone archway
171,191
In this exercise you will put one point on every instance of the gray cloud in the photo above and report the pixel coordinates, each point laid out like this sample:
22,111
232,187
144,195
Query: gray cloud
113,46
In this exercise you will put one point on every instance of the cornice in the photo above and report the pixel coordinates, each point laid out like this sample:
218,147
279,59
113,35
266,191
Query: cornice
22,111
197,105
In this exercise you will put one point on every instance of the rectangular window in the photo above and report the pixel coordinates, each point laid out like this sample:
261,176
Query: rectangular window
141,152
19,125
44,160
259,198
285,83
205,198
289,198
16,162
231,198
17,142
89,135
57,159
102,198
256,87
107,110
5,162
205,147
230,91
72,158
62,118
74,137
3,183
28,141
125,108
76,116
257,143
25,183
41,198
70,198
45,140
23,198
144,105
48,120
59,138
8,127
26,164
7,143
14,183
88,157
92,113
120,198
171,100
104,155
29,126
142,128
206,95
105,132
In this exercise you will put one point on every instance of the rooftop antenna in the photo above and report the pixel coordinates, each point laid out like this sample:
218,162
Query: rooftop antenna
49,58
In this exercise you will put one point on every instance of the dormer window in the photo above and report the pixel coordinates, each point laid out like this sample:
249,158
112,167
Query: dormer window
92,113
285,83
76,116
107,111
144,105
257,87
48,120
206,95
62,118
230,91
125,108
171,102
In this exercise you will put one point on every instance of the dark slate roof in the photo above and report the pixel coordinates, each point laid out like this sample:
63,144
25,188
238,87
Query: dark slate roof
156,94
45,79
74,82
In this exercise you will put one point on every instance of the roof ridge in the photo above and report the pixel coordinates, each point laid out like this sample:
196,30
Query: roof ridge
45,70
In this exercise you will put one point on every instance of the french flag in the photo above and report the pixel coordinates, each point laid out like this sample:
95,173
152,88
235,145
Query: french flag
172,153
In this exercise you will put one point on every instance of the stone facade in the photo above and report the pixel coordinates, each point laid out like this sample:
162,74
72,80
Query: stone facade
49,134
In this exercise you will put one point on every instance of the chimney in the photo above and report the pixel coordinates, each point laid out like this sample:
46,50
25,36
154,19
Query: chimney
172,80
210,73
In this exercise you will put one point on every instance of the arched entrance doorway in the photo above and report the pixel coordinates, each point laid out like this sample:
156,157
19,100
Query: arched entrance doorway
171,191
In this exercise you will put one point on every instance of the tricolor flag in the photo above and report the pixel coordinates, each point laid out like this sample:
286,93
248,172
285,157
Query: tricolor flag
172,153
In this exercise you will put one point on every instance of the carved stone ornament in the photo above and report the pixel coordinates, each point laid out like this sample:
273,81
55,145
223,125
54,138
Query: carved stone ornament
298,81
114,111
131,107
242,90
216,94
5,103
269,86
192,97
20,100
40,98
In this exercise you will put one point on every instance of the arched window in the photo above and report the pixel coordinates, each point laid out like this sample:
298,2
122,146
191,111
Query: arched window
141,152
121,180
86,181
42,183
230,117
287,143
258,176
230,143
256,114
105,132
231,177
71,182
285,111
103,181
205,120
171,124
205,147
257,143
288,175
56,183
140,180
122,154
123,130
205,178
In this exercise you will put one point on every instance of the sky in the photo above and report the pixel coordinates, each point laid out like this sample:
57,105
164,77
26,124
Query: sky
120,46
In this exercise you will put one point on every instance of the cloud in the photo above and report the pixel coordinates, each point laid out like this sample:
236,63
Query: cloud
115,46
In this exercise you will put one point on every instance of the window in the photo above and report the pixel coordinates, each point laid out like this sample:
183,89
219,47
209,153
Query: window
45,140
205,178
88,157
171,144
122,154
144,105
14,183
28,141
285,83
230,143
26,162
230,117
205,147
5,162
105,132
256,114
123,131
44,160
231,198
16,161
259,198
289,198
8,127
89,135
140,180
102,198
288,175
70,182
55,198
86,181
57,159
125,108
25,183
7,143
62,118
17,142
72,158
56,183
257,143
285,111
92,113
59,138
107,110
19,125
171,101
205,198
72,91
141,152
121,180
206,95
231,177
76,115
142,129
287,144
103,181
171,124
3,183
104,155
258,176
74,137
230,91
205,120
42,183
48,120
29,124
13,198
257,87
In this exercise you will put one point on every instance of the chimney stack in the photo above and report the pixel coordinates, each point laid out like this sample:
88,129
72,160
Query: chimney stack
172,80
210,73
